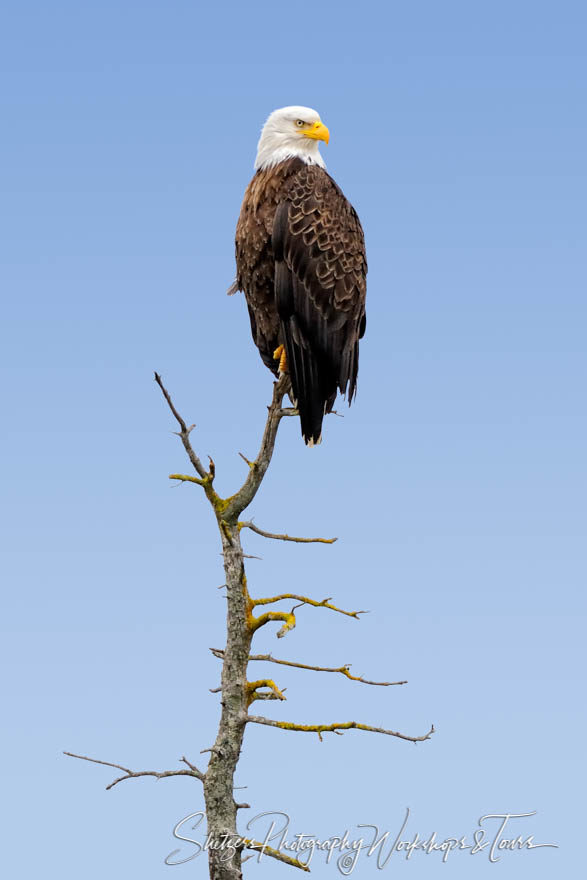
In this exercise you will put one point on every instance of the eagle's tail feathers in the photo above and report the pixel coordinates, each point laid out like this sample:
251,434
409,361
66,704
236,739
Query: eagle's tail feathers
312,385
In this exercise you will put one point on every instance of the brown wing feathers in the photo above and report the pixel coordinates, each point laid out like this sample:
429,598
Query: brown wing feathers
319,280
301,263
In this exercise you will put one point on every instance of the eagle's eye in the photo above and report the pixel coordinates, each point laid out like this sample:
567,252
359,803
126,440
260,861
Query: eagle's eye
300,123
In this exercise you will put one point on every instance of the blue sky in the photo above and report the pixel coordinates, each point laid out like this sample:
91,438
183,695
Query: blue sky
456,483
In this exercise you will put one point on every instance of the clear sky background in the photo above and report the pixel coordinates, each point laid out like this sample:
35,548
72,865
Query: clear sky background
456,482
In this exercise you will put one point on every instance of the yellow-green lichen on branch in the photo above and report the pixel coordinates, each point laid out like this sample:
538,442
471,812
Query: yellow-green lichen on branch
324,603
185,478
219,504
288,618
253,687
337,727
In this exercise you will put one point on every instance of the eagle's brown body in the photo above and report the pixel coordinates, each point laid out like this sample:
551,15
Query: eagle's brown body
300,257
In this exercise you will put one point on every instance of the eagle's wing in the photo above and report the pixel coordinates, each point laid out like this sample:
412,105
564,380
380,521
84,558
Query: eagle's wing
320,287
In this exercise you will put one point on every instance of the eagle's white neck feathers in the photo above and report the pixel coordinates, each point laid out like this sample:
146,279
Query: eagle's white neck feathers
280,140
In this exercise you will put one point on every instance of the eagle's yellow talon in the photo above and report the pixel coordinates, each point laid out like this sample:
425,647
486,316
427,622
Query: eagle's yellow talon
279,355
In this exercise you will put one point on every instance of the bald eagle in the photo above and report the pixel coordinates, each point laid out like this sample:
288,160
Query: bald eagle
300,259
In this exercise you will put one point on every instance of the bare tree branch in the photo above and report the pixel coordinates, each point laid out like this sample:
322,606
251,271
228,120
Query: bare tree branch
257,469
255,694
335,728
185,478
251,525
221,808
288,618
237,692
184,432
274,853
304,600
134,774
344,670
192,767
229,509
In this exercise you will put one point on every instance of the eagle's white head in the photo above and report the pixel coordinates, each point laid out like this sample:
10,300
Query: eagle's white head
290,132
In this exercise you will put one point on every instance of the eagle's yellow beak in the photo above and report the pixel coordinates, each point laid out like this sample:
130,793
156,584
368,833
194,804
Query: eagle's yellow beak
318,132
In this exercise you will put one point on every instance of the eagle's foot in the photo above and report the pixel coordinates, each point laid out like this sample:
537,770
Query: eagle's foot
279,355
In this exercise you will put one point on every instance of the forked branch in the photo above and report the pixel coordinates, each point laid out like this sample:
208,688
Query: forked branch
304,600
184,432
241,500
134,774
274,693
